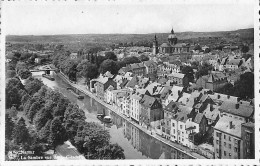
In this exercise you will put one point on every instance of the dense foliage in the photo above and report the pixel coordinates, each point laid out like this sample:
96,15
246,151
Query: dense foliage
46,117
243,88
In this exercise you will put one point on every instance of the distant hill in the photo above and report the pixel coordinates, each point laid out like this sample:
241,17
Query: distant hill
106,39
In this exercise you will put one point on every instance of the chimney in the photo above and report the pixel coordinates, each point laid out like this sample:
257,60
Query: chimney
211,107
237,105
230,124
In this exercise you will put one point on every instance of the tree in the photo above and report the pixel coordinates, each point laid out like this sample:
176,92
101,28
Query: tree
87,70
58,133
45,131
35,107
111,55
227,89
188,71
130,60
9,126
112,151
20,132
143,58
12,97
109,65
24,73
244,49
41,118
10,73
20,65
33,85
70,69
244,87
12,112
204,69
13,86
96,49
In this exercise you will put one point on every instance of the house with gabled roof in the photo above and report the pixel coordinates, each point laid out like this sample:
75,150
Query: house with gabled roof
228,142
239,110
151,111
212,81
101,84
151,67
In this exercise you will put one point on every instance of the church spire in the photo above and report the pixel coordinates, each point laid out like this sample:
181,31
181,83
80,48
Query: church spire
155,38
172,32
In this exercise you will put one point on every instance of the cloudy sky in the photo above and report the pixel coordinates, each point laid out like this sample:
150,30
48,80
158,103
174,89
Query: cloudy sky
87,18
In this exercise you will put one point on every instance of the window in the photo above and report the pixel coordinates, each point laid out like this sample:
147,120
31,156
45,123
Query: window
182,139
225,144
229,154
172,124
217,142
229,138
229,146
173,131
181,126
225,153
217,150
224,136
235,149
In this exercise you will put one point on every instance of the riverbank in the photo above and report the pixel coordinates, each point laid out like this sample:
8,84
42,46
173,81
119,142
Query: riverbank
152,133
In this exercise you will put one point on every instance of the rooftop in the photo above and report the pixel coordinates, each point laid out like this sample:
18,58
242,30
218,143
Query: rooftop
237,108
229,125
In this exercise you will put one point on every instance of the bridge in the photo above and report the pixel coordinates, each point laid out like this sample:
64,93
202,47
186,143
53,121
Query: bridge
37,70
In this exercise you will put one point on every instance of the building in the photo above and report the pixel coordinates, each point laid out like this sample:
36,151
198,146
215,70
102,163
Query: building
169,111
155,46
233,64
172,46
248,138
240,110
151,111
135,106
179,78
228,139
182,126
151,67
136,68
212,81
101,84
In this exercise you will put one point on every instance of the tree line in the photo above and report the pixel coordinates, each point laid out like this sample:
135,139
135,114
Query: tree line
39,118
91,64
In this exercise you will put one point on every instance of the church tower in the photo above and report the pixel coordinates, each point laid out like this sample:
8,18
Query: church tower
155,46
172,39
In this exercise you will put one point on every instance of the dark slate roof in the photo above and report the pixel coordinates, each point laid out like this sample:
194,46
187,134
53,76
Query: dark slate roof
147,101
172,107
150,63
133,82
243,110
198,118
165,45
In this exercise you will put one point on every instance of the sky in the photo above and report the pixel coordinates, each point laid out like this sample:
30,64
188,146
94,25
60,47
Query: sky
133,18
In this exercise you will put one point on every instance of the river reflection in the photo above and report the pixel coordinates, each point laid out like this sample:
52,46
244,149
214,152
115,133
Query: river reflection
136,143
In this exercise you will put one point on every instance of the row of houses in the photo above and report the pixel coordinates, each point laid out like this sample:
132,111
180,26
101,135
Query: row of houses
182,117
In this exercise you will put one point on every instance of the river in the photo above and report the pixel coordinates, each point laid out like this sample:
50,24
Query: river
136,143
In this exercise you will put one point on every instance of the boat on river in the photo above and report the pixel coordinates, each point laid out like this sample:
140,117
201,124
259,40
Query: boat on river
72,91
48,77
103,117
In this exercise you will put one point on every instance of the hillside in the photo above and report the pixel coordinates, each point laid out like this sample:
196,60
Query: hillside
88,40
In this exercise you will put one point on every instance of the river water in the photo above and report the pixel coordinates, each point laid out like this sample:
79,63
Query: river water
136,143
